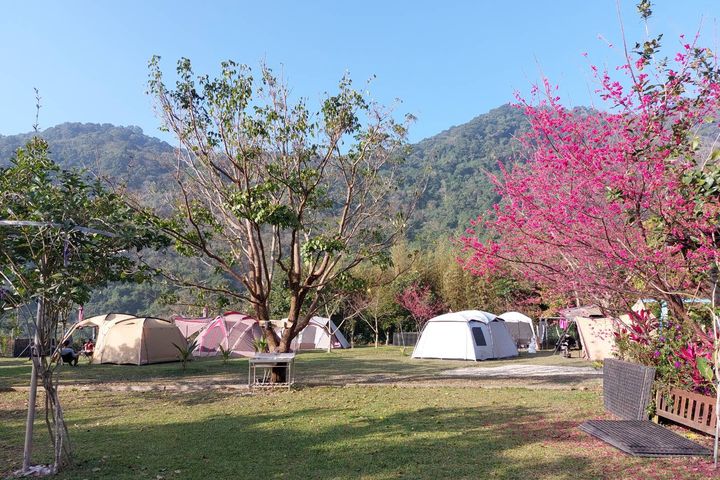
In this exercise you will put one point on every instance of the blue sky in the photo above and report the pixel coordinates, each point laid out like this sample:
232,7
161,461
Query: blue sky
447,60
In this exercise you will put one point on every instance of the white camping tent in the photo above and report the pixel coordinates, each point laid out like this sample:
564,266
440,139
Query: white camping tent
320,333
520,327
468,335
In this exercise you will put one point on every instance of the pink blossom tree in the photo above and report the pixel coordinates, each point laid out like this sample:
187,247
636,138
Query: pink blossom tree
420,302
619,203
623,202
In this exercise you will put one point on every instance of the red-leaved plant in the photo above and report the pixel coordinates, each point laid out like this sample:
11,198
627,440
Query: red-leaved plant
420,302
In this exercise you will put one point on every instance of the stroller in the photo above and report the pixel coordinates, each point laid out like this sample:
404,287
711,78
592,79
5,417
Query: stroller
565,343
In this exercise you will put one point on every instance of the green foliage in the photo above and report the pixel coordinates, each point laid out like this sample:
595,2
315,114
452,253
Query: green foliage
185,352
460,161
224,354
81,237
260,344
257,205
705,369
679,359
322,244
269,187
122,154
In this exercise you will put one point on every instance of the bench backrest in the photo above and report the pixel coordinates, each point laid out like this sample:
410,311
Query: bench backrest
627,388
687,408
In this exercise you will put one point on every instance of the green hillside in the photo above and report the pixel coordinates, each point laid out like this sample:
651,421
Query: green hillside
455,163
123,154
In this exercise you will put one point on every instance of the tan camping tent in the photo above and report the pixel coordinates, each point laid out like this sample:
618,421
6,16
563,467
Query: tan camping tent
596,331
99,320
138,341
597,337
123,338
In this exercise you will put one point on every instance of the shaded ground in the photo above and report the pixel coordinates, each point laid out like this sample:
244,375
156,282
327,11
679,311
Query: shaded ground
386,365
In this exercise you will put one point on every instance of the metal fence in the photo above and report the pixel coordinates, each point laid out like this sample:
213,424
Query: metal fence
408,339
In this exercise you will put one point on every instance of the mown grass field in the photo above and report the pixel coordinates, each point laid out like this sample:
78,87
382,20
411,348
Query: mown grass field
338,366
335,432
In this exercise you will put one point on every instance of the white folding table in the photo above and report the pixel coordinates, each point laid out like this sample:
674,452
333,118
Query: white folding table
260,369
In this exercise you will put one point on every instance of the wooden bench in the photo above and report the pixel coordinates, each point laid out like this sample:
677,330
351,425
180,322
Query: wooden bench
626,392
687,408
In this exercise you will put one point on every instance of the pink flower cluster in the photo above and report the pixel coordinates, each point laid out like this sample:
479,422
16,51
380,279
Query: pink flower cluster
600,206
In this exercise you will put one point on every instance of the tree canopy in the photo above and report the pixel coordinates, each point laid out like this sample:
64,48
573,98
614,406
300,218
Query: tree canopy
268,187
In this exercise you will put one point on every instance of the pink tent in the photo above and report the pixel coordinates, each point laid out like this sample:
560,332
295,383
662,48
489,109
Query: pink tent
190,326
233,331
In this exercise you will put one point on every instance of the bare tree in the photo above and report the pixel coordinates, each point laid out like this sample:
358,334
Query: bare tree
266,187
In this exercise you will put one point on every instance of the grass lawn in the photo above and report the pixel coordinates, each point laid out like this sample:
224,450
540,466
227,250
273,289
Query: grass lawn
338,367
335,432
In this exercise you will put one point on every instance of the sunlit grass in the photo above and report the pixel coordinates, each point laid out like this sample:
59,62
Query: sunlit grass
334,432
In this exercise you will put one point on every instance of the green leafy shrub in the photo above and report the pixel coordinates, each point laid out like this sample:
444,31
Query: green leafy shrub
681,355
185,353
260,345
225,354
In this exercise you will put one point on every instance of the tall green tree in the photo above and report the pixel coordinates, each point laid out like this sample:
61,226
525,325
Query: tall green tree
61,237
268,188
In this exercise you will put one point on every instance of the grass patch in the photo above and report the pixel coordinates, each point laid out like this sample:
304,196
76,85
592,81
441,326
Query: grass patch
368,432
339,366
335,432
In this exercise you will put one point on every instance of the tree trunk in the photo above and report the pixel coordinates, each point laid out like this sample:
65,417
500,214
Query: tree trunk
30,424
677,308
46,324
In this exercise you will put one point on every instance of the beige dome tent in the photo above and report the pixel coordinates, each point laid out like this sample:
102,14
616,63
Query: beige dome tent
99,320
126,339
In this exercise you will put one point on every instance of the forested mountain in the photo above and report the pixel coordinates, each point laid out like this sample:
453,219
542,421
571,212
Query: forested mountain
455,164
119,153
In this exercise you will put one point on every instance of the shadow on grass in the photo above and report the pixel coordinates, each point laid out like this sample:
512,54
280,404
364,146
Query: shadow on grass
333,369
431,443
17,374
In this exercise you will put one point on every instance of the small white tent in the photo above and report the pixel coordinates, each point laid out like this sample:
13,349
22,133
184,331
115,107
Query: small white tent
520,327
320,333
467,335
